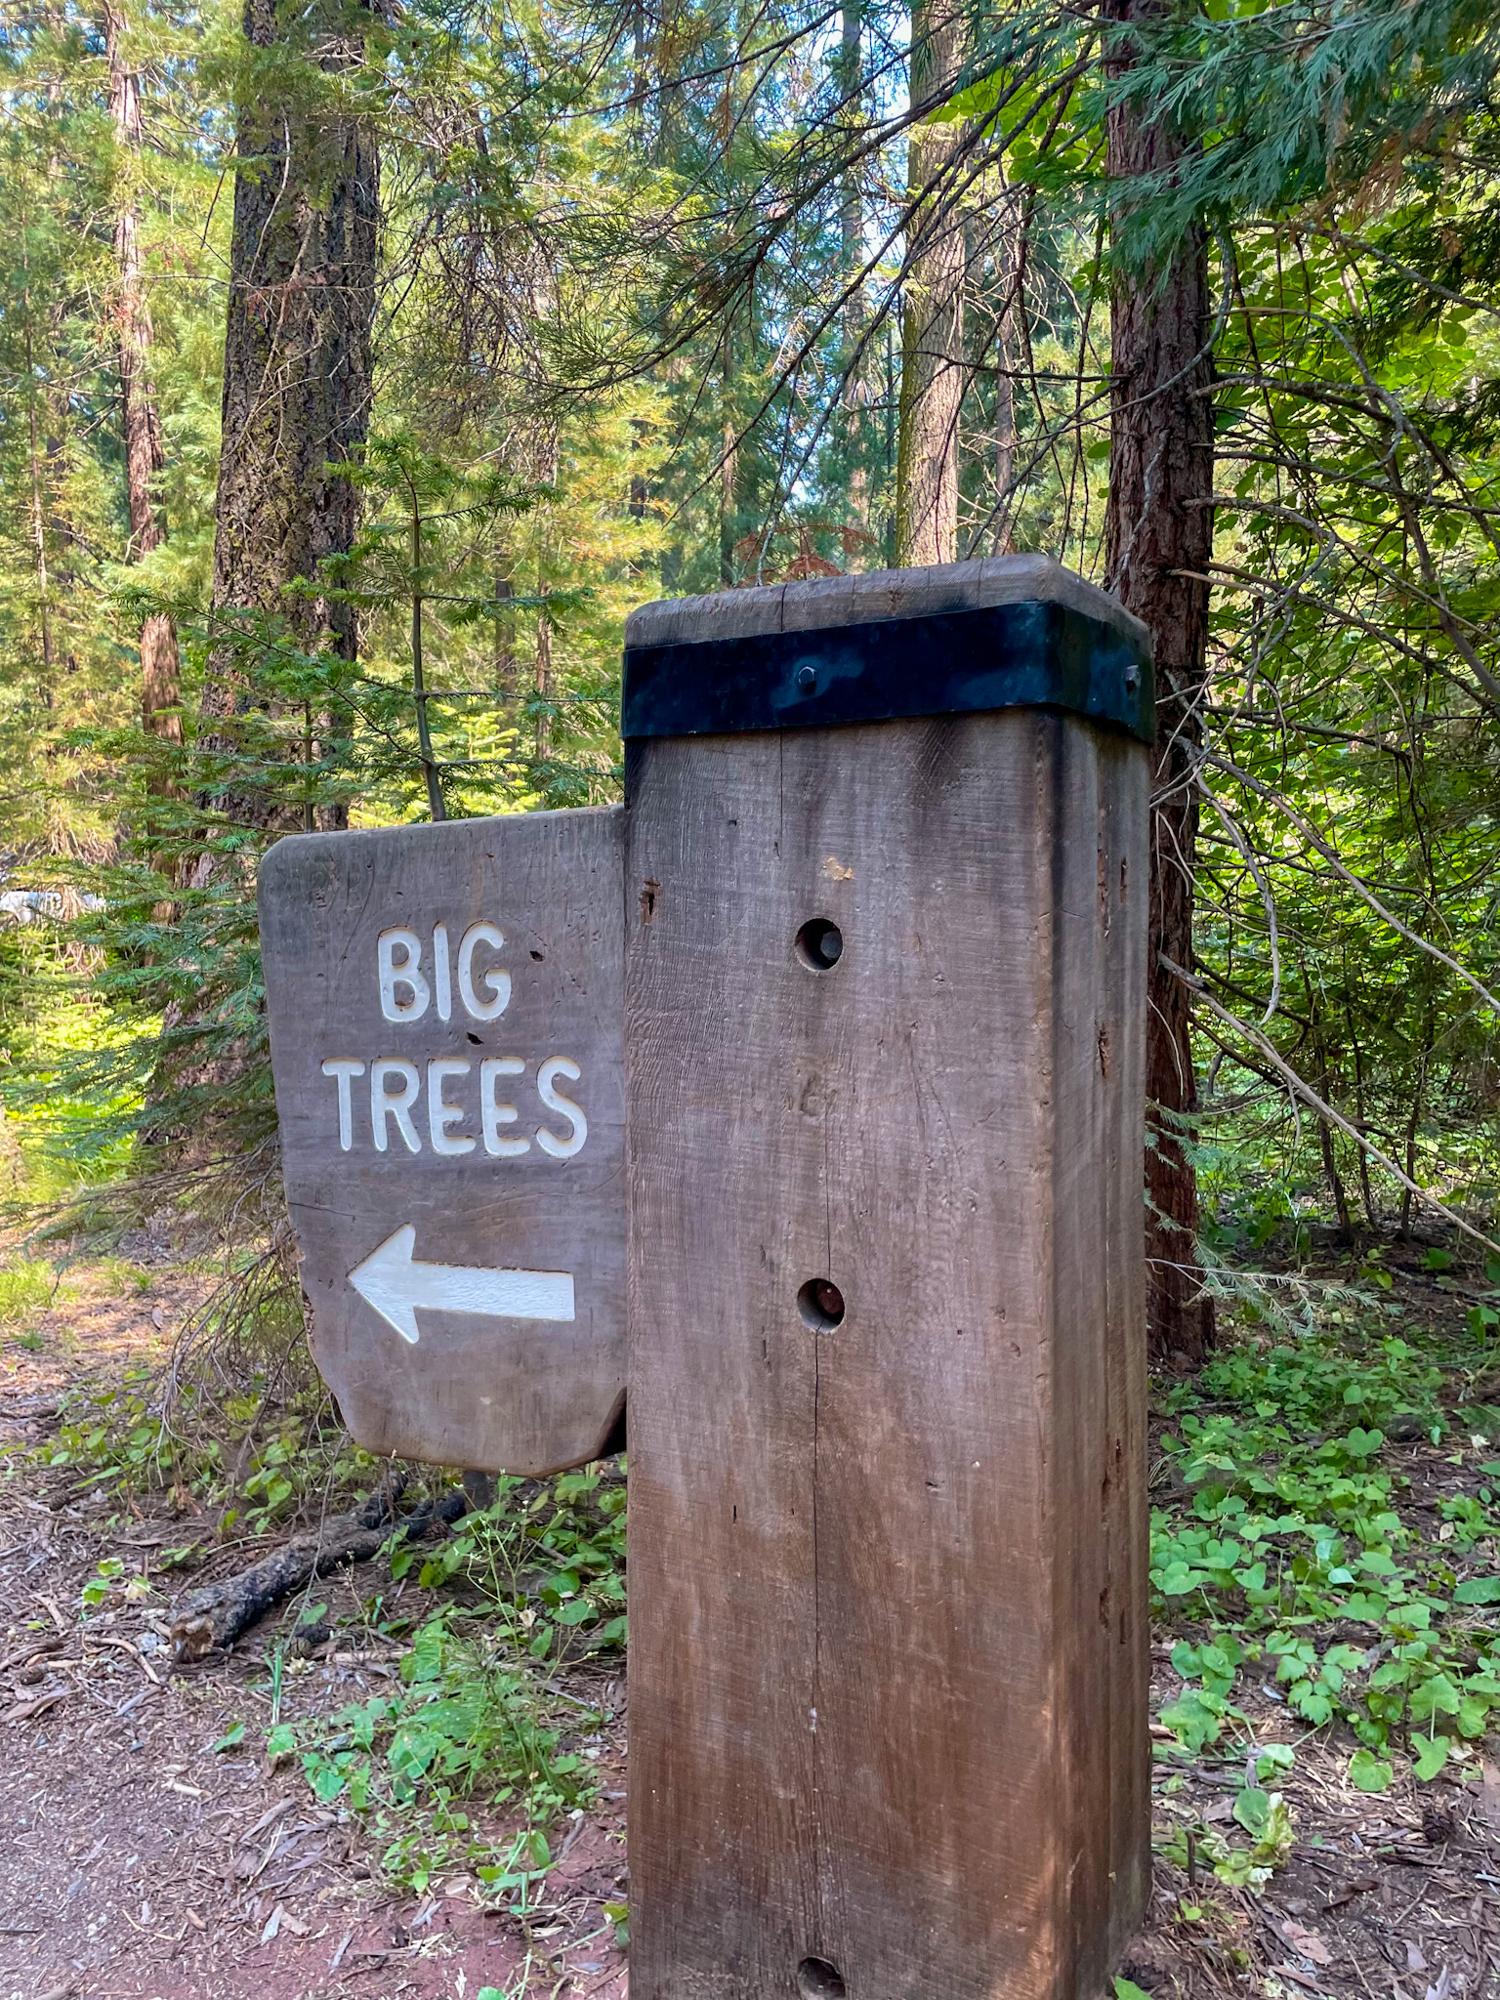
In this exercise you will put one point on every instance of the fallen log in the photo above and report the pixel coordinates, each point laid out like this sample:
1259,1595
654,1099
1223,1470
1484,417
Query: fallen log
215,1616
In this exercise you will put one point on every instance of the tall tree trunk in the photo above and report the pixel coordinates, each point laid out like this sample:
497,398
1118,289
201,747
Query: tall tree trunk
853,364
933,371
542,735
639,491
36,464
729,452
296,398
296,401
1159,538
543,687
432,776
670,31
161,676
1010,266
739,345
504,665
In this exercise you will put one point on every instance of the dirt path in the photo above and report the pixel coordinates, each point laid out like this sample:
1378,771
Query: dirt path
137,1862
140,1860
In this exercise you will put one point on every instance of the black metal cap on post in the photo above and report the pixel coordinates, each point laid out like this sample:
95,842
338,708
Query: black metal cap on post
961,638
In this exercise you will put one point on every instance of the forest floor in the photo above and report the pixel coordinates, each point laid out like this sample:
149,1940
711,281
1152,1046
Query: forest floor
138,1861
153,1850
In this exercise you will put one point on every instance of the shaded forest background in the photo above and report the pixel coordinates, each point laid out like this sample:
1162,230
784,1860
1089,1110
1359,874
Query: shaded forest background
362,365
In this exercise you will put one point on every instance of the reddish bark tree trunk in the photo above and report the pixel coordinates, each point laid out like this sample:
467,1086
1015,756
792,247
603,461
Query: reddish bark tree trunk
296,400
296,404
161,675
934,371
852,253
1159,535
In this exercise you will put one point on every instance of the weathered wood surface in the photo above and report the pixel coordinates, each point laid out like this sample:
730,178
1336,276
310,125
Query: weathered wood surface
887,1595
889,593
1122,887
401,1247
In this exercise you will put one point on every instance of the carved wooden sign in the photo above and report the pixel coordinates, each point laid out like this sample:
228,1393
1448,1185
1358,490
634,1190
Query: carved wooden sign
446,1026
872,932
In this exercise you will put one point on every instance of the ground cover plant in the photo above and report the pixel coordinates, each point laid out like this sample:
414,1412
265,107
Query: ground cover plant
1325,1566
540,1582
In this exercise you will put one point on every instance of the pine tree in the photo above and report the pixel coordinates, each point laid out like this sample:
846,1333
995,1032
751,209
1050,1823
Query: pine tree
933,373
161,672
297,380
1159,532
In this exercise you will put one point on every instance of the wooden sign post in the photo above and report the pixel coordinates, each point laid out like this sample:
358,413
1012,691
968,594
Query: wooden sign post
885,986
445,1034
879,890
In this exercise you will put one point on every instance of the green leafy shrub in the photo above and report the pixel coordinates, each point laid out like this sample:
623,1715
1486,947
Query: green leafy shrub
1286,1536
535,1580
544,1564
469,1720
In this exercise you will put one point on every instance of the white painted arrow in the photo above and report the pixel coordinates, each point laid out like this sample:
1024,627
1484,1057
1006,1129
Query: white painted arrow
397,1286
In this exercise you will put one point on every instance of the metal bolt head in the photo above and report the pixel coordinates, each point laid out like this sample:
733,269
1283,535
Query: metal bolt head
807,679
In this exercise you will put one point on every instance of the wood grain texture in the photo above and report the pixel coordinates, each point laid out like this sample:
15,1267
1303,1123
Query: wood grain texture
880,1582
474,1390
1124,793
822,602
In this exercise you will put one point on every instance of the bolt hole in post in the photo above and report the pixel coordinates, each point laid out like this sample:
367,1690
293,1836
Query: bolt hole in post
821,1305
818,1980
820,944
